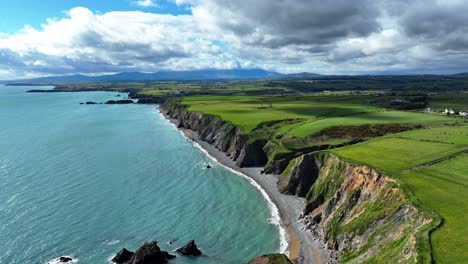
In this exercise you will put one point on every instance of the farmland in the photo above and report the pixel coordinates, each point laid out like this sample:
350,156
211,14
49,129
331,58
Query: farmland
430,159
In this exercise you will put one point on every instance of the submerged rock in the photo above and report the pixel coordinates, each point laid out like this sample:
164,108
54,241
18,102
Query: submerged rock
123,256
190,249
271,259
65,259
119,102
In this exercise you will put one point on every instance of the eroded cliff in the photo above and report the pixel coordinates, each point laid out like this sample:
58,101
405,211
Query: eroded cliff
360,213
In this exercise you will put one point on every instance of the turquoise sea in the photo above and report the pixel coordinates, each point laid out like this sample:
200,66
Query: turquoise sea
88,180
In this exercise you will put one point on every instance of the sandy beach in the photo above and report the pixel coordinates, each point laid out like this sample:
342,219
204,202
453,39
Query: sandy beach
303,246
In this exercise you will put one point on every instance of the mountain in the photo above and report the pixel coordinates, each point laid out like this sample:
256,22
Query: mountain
462,74
210,74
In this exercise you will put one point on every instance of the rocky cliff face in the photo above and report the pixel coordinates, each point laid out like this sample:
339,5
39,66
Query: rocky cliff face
363,215
223,135
360,213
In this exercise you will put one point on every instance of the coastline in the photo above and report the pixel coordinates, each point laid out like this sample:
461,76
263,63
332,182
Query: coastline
300,245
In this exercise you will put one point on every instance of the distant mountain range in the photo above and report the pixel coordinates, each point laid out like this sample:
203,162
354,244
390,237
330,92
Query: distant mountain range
235,74
209,74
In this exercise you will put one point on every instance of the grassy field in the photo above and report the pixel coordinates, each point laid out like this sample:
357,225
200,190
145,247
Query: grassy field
317,112
441,186
430,161
371,117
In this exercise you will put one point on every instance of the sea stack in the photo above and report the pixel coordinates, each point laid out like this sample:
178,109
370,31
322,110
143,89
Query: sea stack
148,253
124,256
190,249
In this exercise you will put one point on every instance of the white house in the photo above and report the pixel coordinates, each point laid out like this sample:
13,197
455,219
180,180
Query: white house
449,111
463,113
429,110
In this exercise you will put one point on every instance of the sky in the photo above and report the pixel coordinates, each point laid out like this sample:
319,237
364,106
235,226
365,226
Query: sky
60,37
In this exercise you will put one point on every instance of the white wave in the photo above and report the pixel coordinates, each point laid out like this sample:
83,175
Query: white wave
110,242
275,216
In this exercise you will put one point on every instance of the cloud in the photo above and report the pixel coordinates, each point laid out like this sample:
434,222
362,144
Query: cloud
337,37
86,42
146,3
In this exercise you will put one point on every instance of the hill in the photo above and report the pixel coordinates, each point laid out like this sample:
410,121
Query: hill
209,74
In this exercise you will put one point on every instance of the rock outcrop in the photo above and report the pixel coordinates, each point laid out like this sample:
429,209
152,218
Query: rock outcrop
271,259
360,213
125,101
124,256
65,259
148,253
299,176
190,249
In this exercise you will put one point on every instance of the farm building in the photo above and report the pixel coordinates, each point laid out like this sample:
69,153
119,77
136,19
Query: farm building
429,110
449,111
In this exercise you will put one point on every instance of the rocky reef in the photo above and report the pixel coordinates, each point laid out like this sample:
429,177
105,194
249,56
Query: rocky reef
124,101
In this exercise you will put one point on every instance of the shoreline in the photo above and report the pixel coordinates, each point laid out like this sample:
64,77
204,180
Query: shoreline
300,245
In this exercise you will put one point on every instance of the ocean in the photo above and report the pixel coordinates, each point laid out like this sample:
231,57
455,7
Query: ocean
87,180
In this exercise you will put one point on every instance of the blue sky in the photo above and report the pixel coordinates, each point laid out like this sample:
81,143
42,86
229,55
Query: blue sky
17,13
59,37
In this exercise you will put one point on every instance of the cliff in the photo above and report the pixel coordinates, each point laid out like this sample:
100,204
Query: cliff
360,213
223,135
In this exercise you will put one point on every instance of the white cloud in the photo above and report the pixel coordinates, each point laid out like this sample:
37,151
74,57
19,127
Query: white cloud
290,36
87,42
146,3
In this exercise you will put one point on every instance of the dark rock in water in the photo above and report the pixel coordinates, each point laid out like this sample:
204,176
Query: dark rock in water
120,102
150,253
90,103
123,256
118,95
190,249
81,103
271,259
65,259
208,166
167,255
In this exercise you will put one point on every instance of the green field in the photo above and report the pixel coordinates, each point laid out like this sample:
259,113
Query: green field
442,186
371,117
317,112
416,157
